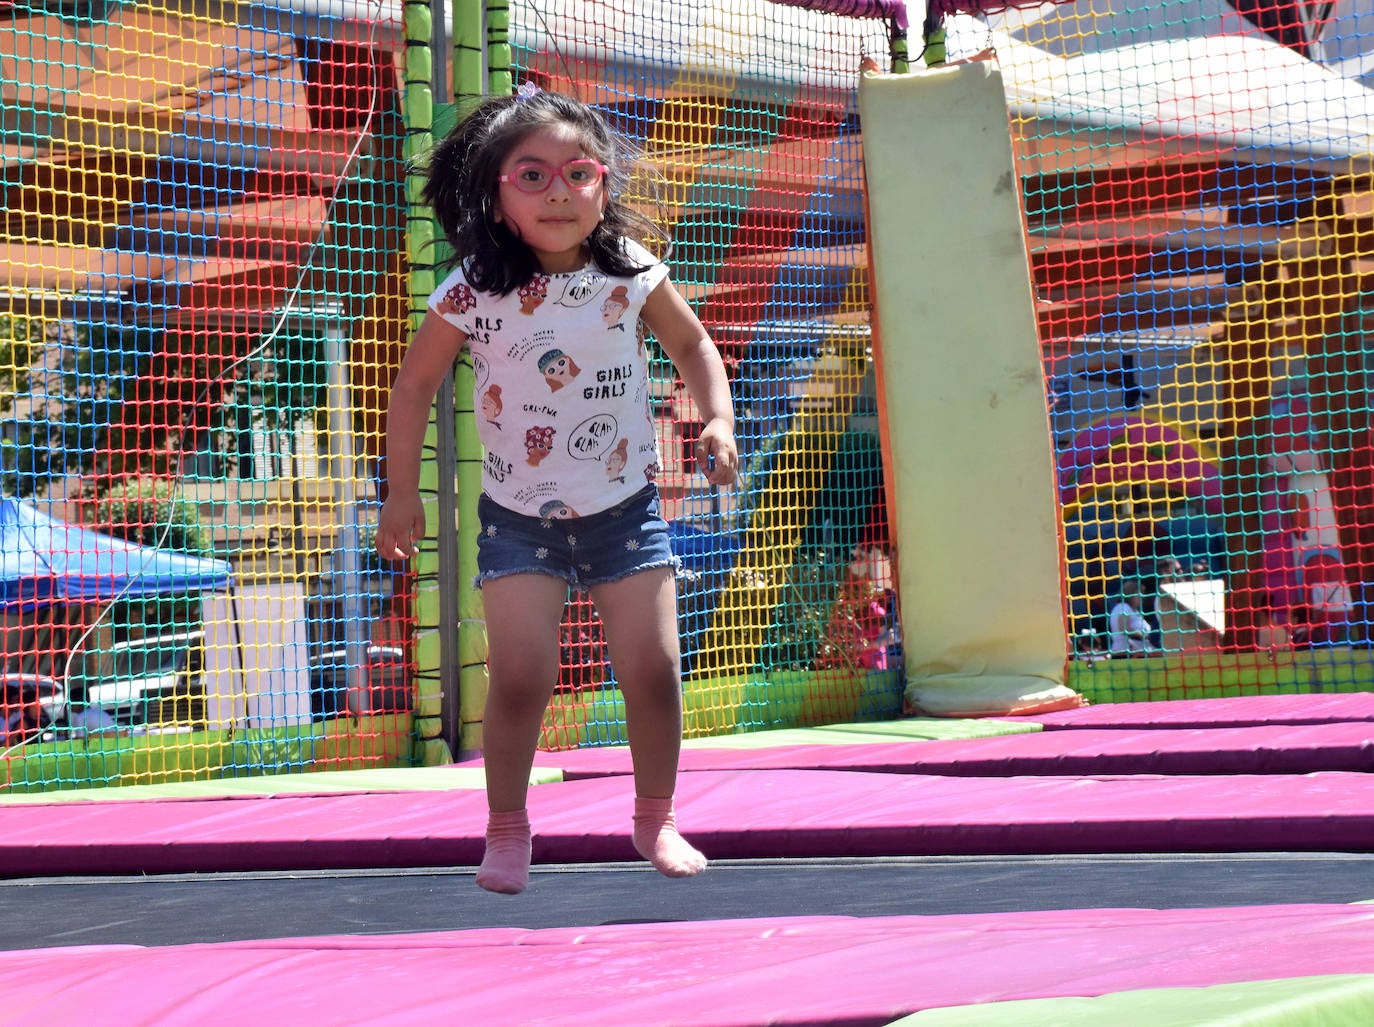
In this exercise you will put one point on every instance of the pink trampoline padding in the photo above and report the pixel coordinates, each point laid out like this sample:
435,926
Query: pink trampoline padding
1271,749
778,971
729,814
1237,711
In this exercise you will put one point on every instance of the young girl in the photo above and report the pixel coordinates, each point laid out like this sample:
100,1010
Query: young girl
547,294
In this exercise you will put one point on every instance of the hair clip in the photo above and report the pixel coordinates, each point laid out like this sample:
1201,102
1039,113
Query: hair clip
526,91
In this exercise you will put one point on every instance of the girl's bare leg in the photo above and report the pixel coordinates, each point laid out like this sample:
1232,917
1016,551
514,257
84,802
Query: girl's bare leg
639,614
522,614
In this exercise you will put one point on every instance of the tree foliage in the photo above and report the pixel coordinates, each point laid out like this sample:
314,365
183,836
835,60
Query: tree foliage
62,387
154,512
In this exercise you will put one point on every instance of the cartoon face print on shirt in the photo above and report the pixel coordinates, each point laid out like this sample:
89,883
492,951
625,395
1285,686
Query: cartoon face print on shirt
458,300
538,444
613,308
556,510
616,461
533,293
492,405
558,369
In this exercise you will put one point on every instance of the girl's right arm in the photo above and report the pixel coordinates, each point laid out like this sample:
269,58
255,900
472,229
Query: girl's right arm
431,354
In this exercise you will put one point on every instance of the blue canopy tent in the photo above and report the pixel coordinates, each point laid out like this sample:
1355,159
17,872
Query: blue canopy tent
45,560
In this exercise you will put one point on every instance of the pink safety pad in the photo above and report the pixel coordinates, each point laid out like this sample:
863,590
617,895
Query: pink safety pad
778,971
1271,749
1237,711
729,814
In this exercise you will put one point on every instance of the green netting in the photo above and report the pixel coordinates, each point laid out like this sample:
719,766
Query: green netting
212,255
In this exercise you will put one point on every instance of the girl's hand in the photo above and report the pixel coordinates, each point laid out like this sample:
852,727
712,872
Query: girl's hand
717,455
400,526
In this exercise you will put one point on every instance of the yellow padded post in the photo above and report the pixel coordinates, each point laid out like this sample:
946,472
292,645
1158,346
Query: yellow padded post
968,456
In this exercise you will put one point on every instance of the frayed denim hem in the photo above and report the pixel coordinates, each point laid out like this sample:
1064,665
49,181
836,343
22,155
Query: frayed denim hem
674,563
548,572
571,579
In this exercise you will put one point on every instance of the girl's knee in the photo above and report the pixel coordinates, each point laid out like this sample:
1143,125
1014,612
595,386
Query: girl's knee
522,695
660,682
661,700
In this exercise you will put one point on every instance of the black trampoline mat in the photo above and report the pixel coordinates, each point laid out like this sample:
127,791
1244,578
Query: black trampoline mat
188,908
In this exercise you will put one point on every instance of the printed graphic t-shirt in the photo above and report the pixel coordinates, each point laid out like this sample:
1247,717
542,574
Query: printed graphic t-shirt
562,386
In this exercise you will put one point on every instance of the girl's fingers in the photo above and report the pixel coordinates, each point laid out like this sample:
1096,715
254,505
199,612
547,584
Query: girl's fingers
395,547
708,463
717,464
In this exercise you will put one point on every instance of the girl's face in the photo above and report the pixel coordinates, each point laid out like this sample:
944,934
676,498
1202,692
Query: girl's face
556,222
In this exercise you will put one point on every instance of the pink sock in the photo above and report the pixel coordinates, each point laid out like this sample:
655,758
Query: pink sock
506,863
657,840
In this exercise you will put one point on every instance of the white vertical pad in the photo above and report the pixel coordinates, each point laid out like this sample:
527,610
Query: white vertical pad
969,461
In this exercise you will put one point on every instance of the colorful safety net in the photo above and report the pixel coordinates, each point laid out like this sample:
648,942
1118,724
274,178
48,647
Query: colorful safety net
213,251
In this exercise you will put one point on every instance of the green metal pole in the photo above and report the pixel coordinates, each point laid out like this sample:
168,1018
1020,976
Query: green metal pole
419,23
481,66
900,55
445,454
500,74
933,36
451,647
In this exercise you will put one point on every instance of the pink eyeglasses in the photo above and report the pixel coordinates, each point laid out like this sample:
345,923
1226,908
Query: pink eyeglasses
579,173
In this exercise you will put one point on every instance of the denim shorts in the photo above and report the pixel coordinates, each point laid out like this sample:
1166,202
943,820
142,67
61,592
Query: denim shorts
583,551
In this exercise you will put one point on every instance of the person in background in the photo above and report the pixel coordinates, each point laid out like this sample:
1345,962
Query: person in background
1128,627
1090,646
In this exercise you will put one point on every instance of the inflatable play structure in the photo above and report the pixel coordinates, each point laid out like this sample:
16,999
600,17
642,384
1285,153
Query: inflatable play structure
213,255
1009,333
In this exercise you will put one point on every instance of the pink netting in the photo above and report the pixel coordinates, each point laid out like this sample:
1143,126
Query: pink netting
891,10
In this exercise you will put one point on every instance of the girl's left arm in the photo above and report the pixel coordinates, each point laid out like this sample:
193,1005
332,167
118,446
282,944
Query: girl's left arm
684,339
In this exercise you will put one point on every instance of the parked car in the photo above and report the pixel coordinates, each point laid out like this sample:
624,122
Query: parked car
30,705
151,680
385,679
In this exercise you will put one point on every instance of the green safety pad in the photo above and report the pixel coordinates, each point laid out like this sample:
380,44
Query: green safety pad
909,729
387,779
368,743
1339,1000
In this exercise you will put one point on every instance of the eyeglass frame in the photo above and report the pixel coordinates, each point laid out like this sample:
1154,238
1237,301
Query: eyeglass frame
601,170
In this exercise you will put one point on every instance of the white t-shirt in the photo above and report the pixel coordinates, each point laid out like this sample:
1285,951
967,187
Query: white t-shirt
562,386
1125,621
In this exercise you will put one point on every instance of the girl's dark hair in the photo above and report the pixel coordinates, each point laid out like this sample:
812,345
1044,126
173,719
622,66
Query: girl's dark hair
462,186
